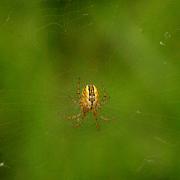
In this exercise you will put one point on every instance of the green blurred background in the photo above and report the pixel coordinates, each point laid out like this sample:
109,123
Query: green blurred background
129,48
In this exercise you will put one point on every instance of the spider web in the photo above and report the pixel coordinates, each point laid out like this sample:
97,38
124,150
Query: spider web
127,48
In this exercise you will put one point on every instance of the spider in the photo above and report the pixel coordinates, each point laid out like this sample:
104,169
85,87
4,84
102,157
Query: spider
89,100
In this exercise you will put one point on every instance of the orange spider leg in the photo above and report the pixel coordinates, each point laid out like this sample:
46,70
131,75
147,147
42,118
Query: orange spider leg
96,120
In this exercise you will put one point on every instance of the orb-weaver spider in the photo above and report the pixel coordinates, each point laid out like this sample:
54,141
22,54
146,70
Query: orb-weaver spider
89,100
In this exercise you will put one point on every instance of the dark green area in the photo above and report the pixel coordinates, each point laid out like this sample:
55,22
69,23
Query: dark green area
129,48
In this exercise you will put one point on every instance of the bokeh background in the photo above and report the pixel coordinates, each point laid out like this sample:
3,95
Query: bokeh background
129,48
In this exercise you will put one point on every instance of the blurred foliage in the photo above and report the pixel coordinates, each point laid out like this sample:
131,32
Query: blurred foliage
130,49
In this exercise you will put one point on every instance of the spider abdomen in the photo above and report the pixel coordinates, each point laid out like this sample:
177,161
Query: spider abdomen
89,98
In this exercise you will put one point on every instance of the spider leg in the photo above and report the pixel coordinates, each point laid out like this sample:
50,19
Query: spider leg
105,98
96,120
74,100
78,89
105,118
76,119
